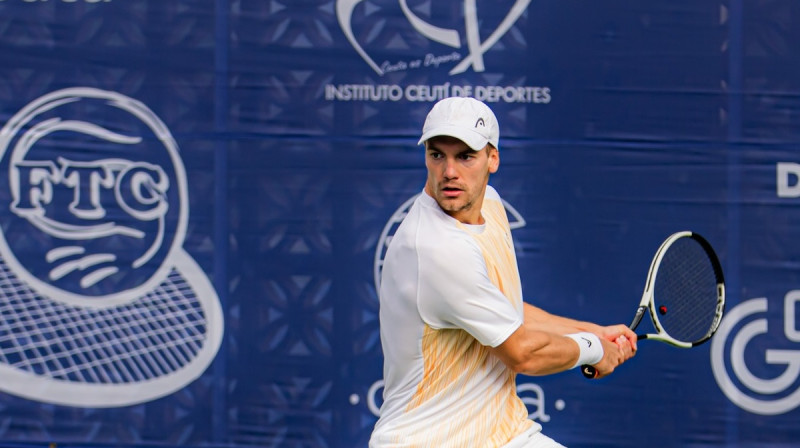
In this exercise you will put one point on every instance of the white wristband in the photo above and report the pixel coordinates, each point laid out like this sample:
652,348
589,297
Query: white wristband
590,346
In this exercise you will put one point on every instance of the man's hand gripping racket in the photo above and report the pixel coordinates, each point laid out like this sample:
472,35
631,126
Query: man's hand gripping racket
684,294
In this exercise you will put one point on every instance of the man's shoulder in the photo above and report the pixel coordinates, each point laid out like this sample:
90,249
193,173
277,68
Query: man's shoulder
491,194
430,231
492,199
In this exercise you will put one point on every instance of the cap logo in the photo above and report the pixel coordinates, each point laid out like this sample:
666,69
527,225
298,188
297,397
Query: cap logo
480,122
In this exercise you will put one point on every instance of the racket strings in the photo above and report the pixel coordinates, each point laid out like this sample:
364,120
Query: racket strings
150,337
685,292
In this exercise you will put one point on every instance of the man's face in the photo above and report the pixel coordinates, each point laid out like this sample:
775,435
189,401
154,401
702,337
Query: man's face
457,176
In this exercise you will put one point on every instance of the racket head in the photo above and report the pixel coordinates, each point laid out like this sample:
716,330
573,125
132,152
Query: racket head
684,294
685,291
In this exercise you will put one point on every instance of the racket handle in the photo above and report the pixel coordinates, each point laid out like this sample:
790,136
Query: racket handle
589,371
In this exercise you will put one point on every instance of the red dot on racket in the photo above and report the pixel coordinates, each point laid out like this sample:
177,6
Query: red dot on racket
662,309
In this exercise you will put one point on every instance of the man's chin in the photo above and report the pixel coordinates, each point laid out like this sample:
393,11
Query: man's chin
451,205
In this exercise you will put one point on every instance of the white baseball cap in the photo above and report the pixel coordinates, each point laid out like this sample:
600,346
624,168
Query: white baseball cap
466,119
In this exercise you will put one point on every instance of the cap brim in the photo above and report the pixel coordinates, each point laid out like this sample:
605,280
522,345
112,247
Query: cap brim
473,139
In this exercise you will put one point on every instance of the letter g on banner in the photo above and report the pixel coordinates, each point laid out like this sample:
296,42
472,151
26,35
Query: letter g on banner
778,399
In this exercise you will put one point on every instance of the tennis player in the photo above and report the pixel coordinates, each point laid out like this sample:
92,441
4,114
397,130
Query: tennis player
454,328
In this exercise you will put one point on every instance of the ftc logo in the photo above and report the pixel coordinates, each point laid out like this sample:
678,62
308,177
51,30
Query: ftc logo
102,306
84,226
450,37
87,183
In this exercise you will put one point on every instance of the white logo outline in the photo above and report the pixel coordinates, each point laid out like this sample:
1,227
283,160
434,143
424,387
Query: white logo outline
517,221
449,37
768,388
51,101
117,350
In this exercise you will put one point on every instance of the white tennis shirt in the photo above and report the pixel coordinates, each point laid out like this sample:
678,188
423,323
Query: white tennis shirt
449,291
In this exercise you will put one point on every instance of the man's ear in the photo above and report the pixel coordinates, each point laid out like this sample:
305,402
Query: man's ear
494,159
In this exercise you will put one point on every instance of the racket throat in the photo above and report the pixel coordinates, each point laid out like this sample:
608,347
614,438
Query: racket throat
637,317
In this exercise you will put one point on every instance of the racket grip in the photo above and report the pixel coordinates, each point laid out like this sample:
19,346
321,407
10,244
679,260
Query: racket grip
589,371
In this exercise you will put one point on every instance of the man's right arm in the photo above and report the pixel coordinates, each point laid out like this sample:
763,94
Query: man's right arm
532,351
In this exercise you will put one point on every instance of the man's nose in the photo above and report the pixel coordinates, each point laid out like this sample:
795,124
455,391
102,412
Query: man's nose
450,170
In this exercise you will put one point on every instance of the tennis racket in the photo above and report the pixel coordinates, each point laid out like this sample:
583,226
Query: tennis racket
684,294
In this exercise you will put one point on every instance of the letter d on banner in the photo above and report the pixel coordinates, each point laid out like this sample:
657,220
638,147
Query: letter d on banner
788,180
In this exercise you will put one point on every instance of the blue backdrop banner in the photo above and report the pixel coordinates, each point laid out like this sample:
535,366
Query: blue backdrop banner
196,198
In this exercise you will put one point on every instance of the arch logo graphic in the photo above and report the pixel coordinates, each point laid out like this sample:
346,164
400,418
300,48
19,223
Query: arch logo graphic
101,305
450,37
776,392
515,221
